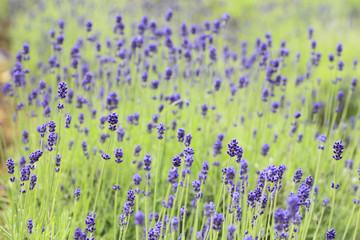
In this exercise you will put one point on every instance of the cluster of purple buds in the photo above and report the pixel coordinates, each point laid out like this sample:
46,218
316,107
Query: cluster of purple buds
42,129
68,121
265,149
119,154
34,156
90,222
113,120
176,161
11,168
338,150
51,126
147,162
79,234
30,226
181,135
32,181
57,163
160,130
234,149
218,144
77,194
62,90
322,139
188,139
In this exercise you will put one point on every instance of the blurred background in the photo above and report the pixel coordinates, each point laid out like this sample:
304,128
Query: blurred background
335,21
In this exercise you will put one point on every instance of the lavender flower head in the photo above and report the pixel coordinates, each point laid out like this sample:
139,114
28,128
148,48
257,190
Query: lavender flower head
321,139
90,222
188,139
77,194
147,162
338,150
265,149
62,90
160,130
79,234
330,235
218,221
30,226
113,120
139,218
119,154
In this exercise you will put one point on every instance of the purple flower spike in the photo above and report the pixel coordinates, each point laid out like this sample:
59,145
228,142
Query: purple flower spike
330,235
30,226
77,194
90,222
338,150
161,130
265,149
62,90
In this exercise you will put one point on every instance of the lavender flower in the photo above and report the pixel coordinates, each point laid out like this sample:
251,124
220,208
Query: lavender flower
77,194
188,139
30,226
112,120
139,218
265,149
137,179
174,224
160,130
173,175
231,230
137,150
90,222
79,235
338,150
147,162
176,161
297,176
32,182
330,235
10,165
218,221
51,126
62,90
119,154
68,121
34,156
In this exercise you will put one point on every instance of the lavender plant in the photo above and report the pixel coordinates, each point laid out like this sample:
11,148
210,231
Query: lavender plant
139,129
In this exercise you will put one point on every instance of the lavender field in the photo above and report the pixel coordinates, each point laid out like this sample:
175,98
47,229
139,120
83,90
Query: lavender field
181,120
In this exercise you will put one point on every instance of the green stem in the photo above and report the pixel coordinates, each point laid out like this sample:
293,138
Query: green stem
115,202
357,224
333,200
348,224
318,226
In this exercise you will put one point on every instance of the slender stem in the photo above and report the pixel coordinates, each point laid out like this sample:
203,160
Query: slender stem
318,226
333,200
115,202
101,174
186,196
348,224
357,224
156,176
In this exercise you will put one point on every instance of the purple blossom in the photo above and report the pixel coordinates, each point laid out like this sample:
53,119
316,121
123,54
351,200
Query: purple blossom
160,130
77,194
338,150
90,222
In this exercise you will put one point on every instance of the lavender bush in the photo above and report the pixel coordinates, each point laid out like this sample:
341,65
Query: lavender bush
155,127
